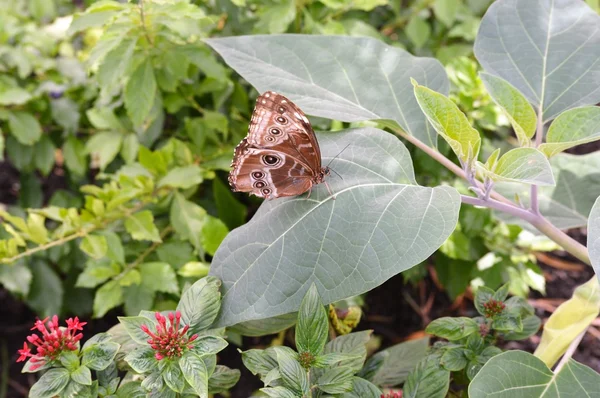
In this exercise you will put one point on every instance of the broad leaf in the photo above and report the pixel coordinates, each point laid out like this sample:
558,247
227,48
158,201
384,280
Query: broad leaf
378,225
140,92
353,345
342,78
570,319
450,122
520,374
141,226
292,373
524,165
337,380
82,375
133,326
99,352
222,379
428,379
188,219
142,359
520,113
362,388
107,297
182,177
568,203
571,128
312,329
452,328
24,127
547,49
50,384
94,246
195,373
104,147
159,277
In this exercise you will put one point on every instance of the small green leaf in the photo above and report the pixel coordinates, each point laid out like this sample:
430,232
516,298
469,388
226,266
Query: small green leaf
200,304
75,156
454,359
445,11
94,246
51,383
173,376
312,329
482,296
292,373
140,92
142,360
449,122
209,345
452,328
507,323
195,373
69,360
530,324
141,226
362,388
82,375
159,277
182,177
571,128
194,269
524,165
258,361
130,148
44,155
16,278
14,96
188,219
428,379
24,127
99,352
232,212
418,31
107,297
213,233
104,147
222,379
279,392
514,104
133,326
337,380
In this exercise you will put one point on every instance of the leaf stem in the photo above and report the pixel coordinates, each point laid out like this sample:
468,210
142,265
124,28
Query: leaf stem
143,20
539,134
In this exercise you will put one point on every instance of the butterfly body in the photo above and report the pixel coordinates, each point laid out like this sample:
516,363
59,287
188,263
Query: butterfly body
280,156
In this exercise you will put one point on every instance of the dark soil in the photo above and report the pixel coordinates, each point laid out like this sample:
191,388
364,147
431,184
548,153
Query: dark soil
395,311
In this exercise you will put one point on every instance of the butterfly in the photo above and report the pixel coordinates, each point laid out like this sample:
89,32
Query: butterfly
280,156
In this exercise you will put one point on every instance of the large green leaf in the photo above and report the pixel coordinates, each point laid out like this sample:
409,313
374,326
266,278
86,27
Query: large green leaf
343,78
547,49
520,374
379,224
571,128
568,203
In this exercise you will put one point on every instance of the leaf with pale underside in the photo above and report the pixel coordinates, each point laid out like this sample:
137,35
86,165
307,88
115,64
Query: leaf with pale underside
524,165
338,77
571,128
450,122
548,49
379,224
520,374
515,106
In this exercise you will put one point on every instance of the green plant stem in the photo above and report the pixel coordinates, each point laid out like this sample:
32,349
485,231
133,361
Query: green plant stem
143,20
538,221
444,161
539,134
145,254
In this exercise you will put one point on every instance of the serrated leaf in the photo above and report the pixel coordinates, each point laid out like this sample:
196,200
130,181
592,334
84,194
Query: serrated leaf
94,246
524,165
104,147
428,379
450,122
312,329
452,328
547,50
182,177
332,83
24,127
516,107
195,373
188,219
107,297
571,128
159,277
529,376
419,214
140,92
141,226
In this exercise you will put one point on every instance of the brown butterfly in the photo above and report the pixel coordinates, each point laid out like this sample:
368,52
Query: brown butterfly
280,156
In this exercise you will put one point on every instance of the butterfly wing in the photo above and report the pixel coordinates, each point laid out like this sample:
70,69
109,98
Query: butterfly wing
278,122
268,173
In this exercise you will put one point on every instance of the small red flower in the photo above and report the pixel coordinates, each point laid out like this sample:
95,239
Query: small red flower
53,341
396,394
493,308
169,341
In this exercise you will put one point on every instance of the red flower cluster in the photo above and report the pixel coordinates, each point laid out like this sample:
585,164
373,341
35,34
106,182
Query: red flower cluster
53,342
493,308
397,394
169,341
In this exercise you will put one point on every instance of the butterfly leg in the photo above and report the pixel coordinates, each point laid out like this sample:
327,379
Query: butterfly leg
329,190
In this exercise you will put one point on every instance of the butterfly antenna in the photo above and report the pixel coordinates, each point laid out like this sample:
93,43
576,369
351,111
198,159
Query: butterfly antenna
335,157
338,174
